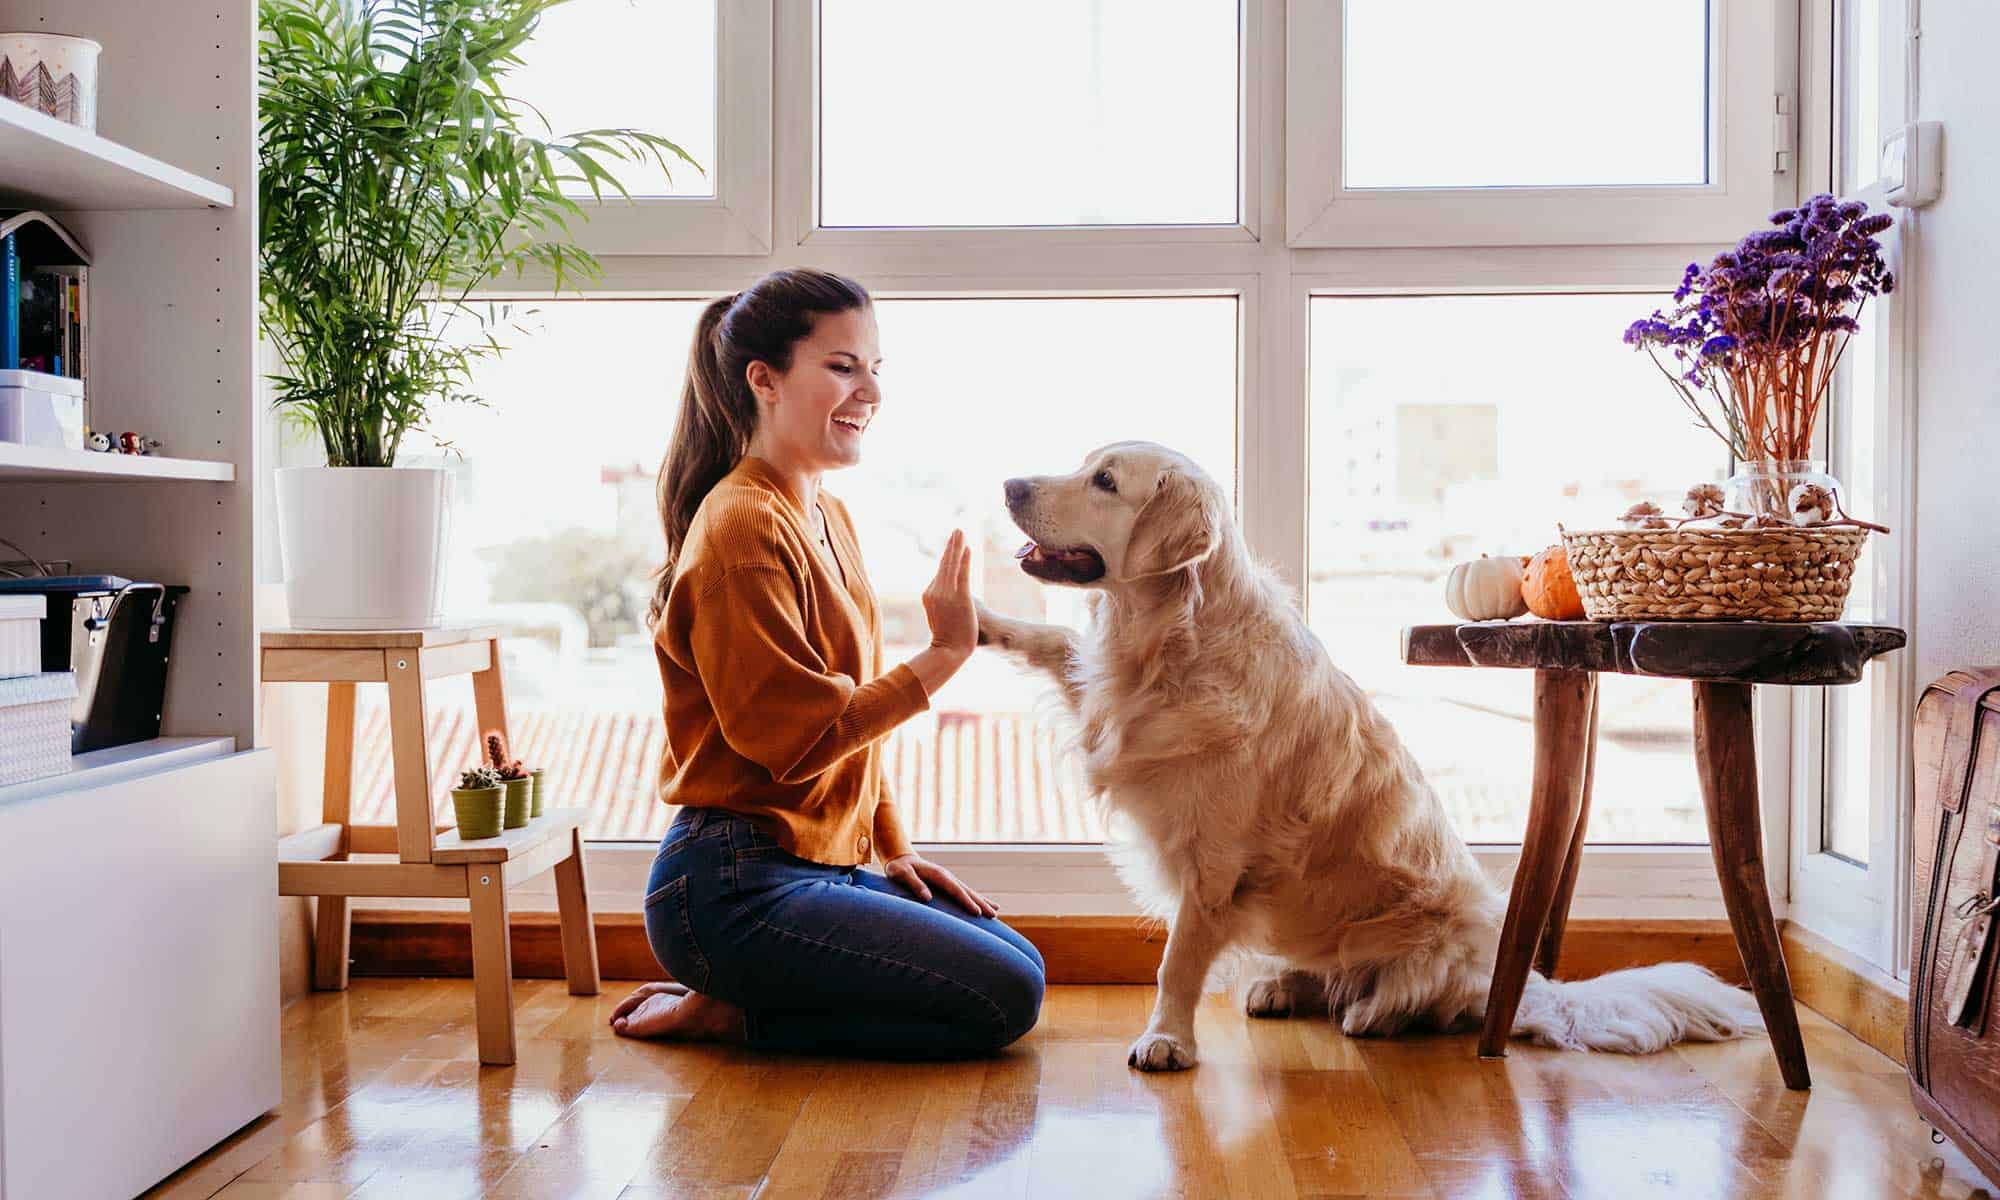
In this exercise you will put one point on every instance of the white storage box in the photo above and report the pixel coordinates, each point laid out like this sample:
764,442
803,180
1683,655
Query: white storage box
41,410
34,725
21,634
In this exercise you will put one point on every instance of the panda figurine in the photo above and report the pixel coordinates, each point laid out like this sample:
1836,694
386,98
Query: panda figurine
101,442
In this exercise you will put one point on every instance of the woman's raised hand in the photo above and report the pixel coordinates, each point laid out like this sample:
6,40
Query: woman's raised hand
948,600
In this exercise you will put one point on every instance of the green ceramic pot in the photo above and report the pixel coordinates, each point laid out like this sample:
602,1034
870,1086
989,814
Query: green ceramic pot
520,798
540,792
478,811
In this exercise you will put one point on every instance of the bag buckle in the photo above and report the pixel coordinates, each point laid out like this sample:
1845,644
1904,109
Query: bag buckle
1977,905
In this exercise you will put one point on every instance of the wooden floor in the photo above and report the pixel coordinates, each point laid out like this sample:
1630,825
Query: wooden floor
384,1097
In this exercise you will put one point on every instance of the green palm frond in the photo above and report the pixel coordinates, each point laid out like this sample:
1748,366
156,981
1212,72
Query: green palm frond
396,174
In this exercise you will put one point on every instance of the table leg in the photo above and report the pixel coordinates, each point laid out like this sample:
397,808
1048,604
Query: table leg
330,925
1726,755
1552,935
1562,725
492,964
579,939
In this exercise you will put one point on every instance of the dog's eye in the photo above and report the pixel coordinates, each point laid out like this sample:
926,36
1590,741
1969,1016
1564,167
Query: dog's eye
1103,479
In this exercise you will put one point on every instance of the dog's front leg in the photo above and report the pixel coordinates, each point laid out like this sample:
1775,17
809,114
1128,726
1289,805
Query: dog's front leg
1199,933
1048,648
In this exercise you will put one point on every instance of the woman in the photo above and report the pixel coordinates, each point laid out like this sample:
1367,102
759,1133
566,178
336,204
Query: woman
769,645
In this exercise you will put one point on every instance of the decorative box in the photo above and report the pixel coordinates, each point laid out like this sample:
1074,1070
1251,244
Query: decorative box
21,635
34,725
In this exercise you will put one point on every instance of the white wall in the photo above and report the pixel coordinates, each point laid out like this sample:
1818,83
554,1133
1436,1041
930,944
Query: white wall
1955,264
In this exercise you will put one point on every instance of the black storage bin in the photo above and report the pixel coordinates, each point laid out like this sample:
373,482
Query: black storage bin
115,634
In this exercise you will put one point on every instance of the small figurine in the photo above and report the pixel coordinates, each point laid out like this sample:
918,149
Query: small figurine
135,443
100,442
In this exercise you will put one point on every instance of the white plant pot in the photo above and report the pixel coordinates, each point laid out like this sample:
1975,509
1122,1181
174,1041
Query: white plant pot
364,547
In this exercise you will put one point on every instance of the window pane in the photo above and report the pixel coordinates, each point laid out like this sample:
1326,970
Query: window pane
976,392
1433,441
1037,112
1848,810
1468,93
637,64
1860,92
557,530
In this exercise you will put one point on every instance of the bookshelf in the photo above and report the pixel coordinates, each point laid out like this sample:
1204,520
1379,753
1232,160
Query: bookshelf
151,866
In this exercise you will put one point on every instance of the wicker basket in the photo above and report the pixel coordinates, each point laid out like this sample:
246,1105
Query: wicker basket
1713,574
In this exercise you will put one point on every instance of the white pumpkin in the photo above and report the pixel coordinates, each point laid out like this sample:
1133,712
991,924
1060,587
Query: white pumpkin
1486,590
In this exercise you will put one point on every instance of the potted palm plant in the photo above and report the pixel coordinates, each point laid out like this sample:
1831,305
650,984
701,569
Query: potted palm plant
396,175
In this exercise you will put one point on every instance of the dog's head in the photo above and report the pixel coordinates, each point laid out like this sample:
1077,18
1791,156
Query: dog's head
1133,511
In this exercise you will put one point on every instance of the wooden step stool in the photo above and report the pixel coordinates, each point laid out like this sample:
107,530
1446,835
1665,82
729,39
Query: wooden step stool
315,862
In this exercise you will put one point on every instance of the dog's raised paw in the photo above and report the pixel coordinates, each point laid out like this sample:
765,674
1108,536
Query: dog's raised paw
1161,1052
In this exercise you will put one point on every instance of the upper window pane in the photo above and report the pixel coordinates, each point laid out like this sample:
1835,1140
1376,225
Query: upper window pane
628,64
1561,93
1036,112
1421,459
1860,93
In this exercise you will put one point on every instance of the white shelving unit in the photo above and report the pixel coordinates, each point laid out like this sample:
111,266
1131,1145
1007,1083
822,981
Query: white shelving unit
152,866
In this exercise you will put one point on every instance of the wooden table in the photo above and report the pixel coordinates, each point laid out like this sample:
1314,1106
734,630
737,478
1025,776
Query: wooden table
315,862
1723,659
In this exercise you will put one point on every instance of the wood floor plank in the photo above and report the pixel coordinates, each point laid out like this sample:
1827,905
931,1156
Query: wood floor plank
383,1096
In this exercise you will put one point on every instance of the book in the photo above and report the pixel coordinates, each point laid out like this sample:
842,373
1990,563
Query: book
10,305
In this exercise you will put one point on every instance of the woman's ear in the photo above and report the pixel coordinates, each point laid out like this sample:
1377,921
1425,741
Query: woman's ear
1177,529
762,380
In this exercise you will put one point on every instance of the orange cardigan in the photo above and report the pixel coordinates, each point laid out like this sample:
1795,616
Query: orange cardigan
776,703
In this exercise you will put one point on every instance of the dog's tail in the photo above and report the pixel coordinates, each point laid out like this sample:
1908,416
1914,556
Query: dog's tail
1640,1010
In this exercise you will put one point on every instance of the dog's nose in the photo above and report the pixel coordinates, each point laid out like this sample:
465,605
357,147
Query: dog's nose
1017,492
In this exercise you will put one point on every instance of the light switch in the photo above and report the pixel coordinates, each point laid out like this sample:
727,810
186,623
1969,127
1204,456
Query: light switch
1912,170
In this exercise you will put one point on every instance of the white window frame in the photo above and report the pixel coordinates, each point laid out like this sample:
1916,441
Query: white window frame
1864,908
737,218
1272,281
1323,211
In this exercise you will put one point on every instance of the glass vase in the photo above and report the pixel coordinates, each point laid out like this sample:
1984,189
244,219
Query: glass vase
1764,488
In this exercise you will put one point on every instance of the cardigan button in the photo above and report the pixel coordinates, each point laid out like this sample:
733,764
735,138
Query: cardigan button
864,843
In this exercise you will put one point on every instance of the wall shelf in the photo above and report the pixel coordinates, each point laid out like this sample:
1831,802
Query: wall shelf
19,463
53,165
121,764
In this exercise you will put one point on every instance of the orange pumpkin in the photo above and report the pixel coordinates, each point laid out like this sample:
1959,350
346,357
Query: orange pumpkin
1549,588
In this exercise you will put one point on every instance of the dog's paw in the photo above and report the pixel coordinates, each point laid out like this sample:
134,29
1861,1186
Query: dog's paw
1270,997
994,629
1161,1052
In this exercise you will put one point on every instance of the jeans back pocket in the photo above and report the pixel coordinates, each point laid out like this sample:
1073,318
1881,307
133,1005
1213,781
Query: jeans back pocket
670,932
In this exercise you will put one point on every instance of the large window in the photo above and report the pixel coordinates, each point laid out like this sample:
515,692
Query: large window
1367,261
1433,441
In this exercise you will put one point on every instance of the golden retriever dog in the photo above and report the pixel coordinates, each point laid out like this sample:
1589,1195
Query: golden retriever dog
1266,805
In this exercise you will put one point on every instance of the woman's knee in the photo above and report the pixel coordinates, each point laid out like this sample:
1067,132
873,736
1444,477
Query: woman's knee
1014,989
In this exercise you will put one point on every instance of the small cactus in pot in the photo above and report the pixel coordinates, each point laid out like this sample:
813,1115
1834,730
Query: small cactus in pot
478,802
514,778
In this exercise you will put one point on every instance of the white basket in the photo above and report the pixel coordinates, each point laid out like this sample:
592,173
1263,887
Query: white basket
21,634
34,725
38,409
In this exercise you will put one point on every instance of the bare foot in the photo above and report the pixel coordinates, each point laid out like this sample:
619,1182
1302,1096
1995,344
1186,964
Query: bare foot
671,1012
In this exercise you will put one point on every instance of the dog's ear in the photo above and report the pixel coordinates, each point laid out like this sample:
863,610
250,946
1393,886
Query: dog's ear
1177,529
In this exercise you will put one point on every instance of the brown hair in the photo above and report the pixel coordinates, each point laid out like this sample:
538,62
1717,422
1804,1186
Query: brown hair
718,412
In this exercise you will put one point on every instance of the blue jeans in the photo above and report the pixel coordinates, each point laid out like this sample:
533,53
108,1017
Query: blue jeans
832,960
